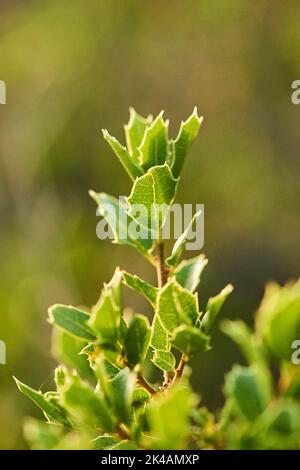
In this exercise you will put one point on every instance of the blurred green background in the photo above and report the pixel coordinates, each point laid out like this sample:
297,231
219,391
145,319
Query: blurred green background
73,67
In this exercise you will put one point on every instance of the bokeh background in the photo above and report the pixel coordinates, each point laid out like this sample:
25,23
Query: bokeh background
74,66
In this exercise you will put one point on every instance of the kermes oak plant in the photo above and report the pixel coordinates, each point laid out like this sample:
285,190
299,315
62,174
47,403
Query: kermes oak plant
104,398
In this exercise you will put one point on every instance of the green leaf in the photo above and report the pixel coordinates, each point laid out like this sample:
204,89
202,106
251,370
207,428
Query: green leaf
121,389
86,406
41,435
187,133
52,412
151,196
136,283
278,318
71,319
154,148
125,230
66,349
168,416
214,305
134,132
176,305
140,396
245,385
137,340
190,340
164,360
180,243
106,314
121,152
105,442
188,272
159,335
241,334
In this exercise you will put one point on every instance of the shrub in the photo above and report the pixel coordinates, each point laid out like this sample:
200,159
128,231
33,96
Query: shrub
103,399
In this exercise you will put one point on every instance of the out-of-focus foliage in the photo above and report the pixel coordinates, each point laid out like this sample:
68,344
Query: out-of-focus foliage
70,69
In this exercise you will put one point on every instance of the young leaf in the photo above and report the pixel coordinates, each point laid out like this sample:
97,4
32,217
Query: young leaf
86,406
190,340
66,348
188,272
180,243
121,389
169,419
247,389
125,230
52,412
278,319
106,315
134,133
140,396
71,319
164,360
154,149
41,435
187,133
153,192
121,152
104,442
136,283
176,305
159,335
240,333
137,340
214,305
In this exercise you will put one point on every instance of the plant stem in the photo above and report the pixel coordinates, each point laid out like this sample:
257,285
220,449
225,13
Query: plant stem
143,382
162,275
122,433
180,368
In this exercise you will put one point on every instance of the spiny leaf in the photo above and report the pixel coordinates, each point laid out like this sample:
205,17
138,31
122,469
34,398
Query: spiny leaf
125,230
106,315
151,195
51,412
159,335
187,133
134,132
139,285
71,319
164,360
137,340
188,272
176,305
121,152
154,148
180,243
190,340
214,305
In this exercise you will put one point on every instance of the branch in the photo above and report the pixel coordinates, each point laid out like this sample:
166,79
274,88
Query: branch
162,274
122,432
143,382
180,369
